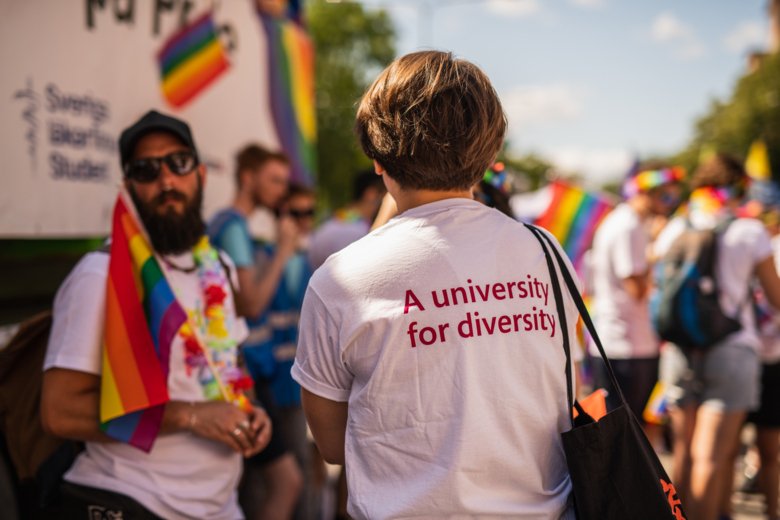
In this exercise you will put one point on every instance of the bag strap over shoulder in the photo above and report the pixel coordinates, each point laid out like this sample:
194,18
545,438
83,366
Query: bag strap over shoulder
575,294
562,321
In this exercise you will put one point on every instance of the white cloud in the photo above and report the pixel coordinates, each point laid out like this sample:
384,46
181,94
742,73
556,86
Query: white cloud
514,7
596,165
591,4
538,104
670,30
745,36
667,27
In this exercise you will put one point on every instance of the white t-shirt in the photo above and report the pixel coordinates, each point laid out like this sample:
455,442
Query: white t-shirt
333,235
619,251
743,245
183,476
440,330
770,328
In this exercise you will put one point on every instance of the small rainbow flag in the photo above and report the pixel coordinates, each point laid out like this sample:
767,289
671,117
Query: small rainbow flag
291,81
656,409
142,319
572,217
191,60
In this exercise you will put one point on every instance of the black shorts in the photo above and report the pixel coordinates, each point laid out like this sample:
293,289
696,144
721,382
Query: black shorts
768,413
278,445
88,502
636,378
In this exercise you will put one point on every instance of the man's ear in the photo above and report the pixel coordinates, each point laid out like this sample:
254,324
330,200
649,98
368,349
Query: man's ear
202,173
378,168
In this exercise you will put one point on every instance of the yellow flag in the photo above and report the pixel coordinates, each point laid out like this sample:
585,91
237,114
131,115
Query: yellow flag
757,163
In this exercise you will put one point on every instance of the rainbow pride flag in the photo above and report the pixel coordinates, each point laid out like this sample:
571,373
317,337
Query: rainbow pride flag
190,61
656,409
142,319
291,82
572,217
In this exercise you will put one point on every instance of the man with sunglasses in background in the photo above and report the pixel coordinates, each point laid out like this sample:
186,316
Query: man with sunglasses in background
193,468
269,276
620,265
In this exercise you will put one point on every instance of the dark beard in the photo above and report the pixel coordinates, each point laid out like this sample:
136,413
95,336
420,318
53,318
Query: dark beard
170,232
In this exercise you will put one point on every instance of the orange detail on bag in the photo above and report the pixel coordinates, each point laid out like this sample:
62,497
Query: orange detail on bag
674,502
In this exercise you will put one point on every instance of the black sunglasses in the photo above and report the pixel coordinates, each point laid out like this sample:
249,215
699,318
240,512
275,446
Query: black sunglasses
148,169
301,213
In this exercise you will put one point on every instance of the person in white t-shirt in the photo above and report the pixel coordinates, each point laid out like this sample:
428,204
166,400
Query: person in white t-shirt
194,465
620,268
710,392
430,351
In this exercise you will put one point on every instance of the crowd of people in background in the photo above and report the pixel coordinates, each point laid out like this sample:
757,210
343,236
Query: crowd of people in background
216,460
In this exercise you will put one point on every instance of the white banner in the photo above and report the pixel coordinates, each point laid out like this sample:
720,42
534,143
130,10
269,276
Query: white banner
76,72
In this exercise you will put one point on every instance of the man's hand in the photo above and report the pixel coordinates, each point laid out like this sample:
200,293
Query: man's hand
288,236
226,423
257,286
260,427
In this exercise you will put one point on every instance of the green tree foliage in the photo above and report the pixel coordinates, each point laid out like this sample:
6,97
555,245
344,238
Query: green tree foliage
753,112
351,46
532,167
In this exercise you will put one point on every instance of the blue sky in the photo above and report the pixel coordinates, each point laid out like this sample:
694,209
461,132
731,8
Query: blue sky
590,83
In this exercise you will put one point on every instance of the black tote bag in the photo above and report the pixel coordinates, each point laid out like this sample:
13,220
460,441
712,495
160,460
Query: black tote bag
615,473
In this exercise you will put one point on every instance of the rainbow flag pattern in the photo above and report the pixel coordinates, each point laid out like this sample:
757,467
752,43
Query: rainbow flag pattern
572,217
142,319
190,61
656,409
291,81
648,179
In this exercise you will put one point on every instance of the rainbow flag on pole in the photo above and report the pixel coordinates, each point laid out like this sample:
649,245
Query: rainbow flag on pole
572,217
142,319
291,82
191,60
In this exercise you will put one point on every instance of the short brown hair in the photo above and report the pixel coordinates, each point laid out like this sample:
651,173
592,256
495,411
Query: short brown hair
432,121
254,156
296,189
720,170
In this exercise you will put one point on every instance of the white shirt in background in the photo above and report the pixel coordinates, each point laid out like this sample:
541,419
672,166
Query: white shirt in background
620,249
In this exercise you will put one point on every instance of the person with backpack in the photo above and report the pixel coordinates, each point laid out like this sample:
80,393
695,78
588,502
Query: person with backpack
141,362
711,387
620,269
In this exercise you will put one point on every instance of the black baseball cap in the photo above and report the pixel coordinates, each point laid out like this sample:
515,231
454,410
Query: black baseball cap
153,121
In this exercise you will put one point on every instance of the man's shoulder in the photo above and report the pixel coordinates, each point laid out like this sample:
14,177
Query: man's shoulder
746,225
334,227
224,218
623,216
95,262
618,223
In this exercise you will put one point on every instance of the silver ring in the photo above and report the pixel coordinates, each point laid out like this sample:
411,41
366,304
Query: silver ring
244,425
237,432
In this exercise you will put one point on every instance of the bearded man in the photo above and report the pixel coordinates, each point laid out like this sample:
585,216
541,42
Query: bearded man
194,465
